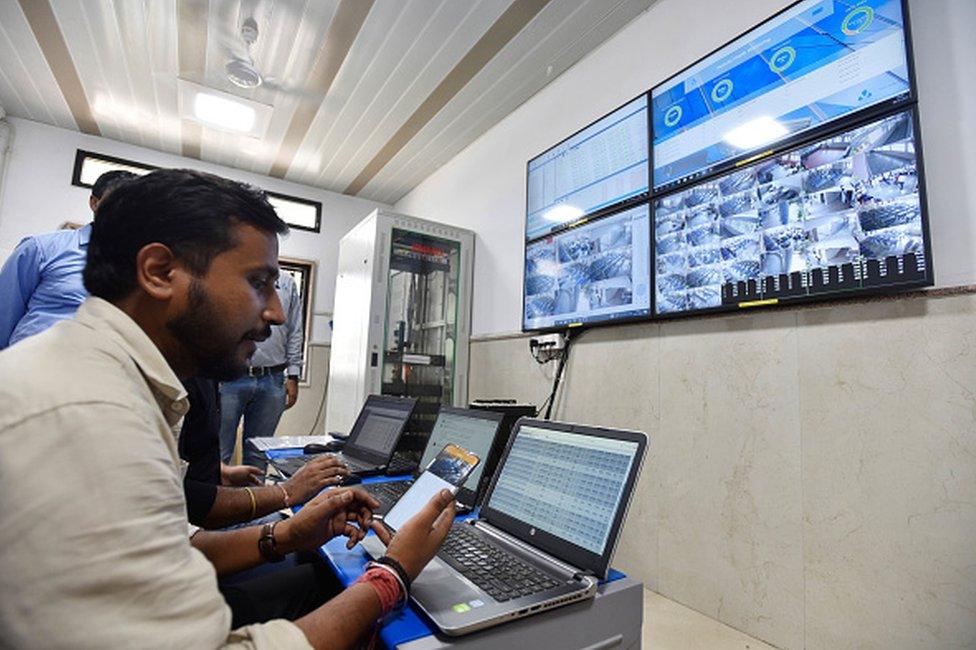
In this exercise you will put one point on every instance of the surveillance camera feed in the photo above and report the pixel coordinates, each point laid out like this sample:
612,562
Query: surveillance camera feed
843,214
598,168
596,272
814,63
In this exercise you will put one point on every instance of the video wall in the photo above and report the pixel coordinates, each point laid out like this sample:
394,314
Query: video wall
783,167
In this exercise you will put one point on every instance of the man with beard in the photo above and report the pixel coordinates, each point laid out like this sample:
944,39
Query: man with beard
95,548
270,384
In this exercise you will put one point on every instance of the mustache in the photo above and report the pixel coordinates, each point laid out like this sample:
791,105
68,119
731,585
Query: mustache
259,335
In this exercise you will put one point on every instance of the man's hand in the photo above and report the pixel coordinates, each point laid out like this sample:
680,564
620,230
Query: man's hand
240,475
317,474
418,540
291,393
326,516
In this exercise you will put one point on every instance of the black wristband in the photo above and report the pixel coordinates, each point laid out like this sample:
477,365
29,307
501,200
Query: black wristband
396,566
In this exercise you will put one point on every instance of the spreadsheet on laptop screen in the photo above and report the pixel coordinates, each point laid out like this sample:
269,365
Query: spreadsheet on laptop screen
567,484
472,434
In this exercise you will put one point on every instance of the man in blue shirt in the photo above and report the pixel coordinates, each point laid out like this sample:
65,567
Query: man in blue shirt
271,383
41,283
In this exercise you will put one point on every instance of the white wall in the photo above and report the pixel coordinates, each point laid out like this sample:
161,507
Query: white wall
483,188
37,196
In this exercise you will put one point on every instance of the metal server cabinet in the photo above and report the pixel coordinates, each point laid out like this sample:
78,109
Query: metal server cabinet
402,318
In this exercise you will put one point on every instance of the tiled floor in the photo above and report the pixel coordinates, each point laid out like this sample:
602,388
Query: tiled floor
671,626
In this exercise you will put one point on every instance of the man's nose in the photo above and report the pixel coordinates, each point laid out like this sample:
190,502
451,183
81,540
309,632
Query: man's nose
274,313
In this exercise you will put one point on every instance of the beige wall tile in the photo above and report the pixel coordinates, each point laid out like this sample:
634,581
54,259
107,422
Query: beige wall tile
888,407
730,518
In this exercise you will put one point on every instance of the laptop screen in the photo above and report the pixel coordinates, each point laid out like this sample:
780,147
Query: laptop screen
379,425
565,489
471,430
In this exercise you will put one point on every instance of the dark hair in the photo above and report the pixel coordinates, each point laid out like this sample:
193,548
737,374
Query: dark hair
189,211
109,180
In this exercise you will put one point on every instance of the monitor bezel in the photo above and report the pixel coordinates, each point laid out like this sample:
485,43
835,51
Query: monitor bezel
570,553
609,209
789,142
848,294
581,325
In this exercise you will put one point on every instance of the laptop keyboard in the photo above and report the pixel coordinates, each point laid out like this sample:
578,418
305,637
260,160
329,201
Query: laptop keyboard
388,492
502,575
291,464
401,465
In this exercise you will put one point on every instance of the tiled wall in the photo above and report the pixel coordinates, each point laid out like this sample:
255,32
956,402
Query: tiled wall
811,477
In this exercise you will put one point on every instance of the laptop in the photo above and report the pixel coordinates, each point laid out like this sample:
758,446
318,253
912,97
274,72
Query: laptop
475,431
548,530
372,440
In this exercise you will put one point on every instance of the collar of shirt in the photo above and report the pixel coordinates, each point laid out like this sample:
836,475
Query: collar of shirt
103,316
84,234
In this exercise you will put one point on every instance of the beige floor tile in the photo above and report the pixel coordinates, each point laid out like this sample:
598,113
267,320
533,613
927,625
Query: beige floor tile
672,626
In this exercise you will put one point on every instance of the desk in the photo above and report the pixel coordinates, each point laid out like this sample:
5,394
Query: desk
612,619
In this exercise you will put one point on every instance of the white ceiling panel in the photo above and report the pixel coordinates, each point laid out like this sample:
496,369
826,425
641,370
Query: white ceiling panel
22,64
370,112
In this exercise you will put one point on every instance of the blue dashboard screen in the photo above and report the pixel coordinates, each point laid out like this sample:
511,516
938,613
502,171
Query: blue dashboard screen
816,62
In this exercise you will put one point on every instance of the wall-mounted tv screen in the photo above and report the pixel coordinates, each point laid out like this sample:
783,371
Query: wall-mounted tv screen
599,167
842,215
596,272
815,62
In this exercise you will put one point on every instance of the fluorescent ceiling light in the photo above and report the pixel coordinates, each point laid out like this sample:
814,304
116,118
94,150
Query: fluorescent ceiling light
222,111
755,133
562,213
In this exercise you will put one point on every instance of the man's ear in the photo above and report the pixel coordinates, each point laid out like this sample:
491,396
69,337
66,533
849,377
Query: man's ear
157,271
92,202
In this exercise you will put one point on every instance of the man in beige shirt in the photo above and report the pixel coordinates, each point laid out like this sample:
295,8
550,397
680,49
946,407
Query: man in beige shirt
94,545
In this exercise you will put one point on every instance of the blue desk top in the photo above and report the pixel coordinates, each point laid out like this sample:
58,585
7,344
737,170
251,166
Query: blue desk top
349,564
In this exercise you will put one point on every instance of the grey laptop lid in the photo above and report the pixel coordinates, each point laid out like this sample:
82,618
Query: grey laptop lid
565,489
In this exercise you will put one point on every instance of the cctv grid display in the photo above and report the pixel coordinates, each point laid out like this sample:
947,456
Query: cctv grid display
839,208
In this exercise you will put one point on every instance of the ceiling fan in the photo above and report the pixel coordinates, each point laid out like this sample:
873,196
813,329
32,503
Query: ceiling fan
240,68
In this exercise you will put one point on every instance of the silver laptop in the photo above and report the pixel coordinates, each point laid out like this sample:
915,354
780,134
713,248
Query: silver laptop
547,533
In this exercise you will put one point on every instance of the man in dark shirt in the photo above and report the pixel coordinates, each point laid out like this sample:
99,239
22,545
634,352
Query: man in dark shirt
218,495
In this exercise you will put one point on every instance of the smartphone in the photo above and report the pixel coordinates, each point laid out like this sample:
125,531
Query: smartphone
448,470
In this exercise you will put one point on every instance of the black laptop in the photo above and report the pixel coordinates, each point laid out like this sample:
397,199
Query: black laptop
372,440
472,430
547,533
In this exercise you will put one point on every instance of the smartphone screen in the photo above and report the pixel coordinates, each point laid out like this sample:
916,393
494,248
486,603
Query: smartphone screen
447,471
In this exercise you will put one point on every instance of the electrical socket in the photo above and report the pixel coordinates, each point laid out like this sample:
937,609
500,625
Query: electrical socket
556,341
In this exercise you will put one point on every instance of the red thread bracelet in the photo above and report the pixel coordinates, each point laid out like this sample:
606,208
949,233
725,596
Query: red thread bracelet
386,586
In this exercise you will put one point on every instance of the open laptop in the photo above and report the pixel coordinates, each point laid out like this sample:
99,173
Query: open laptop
548,529
372,440
469,429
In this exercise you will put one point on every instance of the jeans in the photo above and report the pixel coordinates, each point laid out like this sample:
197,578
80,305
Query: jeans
261,400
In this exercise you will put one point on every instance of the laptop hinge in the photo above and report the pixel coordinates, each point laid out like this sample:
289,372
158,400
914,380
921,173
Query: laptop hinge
577,573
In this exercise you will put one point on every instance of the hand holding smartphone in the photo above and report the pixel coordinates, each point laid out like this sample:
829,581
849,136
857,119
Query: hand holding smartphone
448,470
